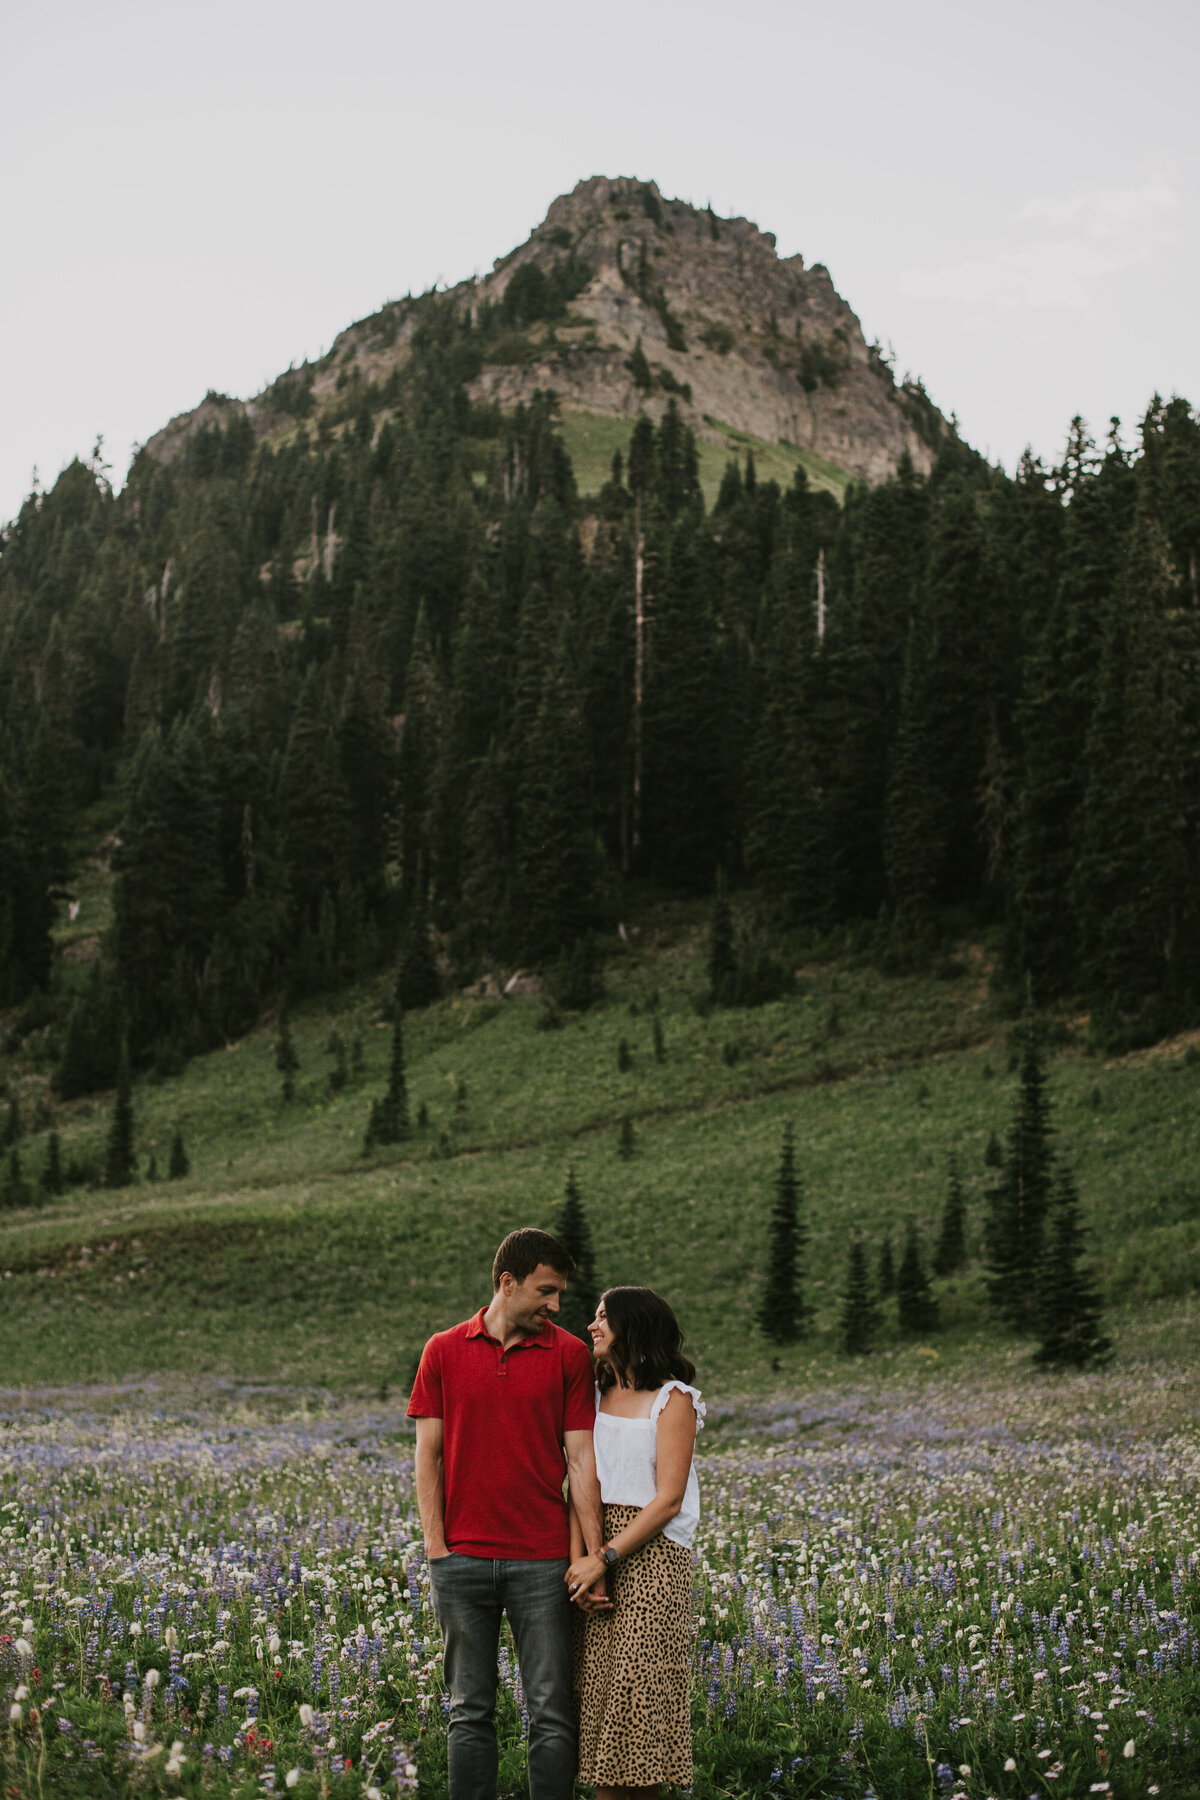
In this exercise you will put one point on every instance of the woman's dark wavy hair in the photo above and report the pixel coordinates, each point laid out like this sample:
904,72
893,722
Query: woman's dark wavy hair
647,1347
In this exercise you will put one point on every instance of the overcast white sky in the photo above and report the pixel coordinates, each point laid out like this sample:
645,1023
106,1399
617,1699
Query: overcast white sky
196,195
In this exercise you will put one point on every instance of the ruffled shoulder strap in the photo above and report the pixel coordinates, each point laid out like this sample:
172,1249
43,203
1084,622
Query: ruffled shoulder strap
664,1393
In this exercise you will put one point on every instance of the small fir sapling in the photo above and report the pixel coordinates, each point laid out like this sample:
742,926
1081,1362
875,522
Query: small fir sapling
918,1310
1069,1305
860,1315
887,1269
13,1129
15,1192
577,1308
52,1174
624,1056
783,1315
660,1043
179,1163
339,1073
626,1143
119,1164
722,956
389,1121
286,1059
950,1257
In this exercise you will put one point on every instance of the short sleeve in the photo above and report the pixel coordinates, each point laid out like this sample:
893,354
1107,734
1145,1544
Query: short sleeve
426,1401
664,1394
579,1387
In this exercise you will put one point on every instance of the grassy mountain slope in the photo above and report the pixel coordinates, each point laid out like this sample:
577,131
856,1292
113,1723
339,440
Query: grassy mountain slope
288,1255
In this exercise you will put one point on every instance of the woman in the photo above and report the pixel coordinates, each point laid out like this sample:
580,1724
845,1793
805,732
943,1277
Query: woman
631,1658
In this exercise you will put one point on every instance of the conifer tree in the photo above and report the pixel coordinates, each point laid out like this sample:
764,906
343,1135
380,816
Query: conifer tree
389,1123
887,1268
13,1128
1020,1196
419,982
918,1310
722,956
179,1164
1133,883
660,1042
914,829
15,1192
1068,1303
120,1166
52,1175
951,1254
783,1315
577,1308
152,1167
556,843
860,1315
626,1143
286,1059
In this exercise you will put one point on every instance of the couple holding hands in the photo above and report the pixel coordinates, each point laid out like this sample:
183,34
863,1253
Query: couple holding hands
596,1583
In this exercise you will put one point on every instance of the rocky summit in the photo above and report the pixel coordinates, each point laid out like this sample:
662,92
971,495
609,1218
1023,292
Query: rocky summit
620,302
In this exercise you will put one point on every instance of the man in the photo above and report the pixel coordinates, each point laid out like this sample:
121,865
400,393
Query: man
500,1401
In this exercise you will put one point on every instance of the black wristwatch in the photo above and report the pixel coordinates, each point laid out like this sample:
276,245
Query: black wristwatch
610,1555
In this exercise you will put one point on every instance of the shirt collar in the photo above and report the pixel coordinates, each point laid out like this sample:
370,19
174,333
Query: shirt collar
543,1341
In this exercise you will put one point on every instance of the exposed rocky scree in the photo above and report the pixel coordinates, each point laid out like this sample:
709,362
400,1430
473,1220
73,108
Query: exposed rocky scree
649,299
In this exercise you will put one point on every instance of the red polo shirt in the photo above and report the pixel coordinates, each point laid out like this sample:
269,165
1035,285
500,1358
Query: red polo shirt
504,1413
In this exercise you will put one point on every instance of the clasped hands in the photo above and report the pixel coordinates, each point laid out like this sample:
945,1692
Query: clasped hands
585,1584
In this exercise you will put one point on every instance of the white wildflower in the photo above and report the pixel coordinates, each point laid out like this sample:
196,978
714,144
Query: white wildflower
14,1713
1010,1763
1130,1749
23,1648
175,1761
22,1692
151,1678
306,1715
139,1731
291,1778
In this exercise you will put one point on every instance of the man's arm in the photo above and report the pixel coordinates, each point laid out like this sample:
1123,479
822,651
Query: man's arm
585,1489
431,1486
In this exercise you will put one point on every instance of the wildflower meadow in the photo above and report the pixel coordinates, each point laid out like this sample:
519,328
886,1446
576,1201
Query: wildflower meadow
956,1589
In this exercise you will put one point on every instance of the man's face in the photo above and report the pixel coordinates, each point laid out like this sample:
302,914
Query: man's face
531,1302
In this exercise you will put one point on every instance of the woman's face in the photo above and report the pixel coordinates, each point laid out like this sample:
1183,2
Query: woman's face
601,1332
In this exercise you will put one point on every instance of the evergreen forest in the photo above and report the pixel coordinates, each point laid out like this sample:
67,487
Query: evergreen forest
386,688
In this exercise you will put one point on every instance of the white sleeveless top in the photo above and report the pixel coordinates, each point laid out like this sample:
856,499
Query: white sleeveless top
627,1462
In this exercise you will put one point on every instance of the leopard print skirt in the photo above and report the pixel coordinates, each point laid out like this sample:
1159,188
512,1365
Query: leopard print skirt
632,1688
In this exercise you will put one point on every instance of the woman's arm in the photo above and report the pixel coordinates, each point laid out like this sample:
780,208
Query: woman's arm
675,1443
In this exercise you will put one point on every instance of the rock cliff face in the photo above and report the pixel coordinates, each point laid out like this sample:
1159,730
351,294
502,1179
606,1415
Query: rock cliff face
621,300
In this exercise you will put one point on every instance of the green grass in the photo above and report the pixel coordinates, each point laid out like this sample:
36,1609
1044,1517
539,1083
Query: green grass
288,1255
592,438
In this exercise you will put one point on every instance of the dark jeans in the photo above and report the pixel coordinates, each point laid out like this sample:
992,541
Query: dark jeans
470,1595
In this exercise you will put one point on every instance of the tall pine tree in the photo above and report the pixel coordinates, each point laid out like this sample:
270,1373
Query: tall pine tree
1017,1207
916,1306
783,1315
1068,1304
860,1315
577,1308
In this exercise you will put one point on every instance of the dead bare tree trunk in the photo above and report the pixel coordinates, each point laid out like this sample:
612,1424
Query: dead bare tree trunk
639,665
820,593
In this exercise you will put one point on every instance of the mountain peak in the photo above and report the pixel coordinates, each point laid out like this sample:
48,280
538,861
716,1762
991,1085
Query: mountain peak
623,301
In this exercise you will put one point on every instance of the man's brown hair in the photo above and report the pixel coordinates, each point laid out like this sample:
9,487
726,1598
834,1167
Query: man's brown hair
522,1251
